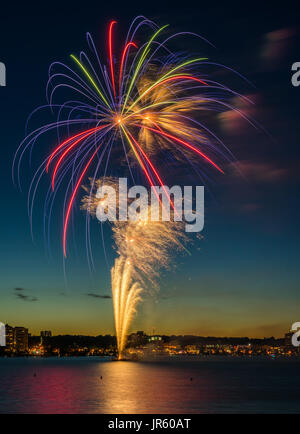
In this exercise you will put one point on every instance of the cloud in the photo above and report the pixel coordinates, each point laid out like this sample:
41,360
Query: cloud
276,46
259,171
235,119
26,297
91,294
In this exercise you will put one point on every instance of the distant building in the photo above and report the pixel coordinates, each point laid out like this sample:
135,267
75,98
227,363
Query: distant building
140,333
10,337
45,339
288,340
16,339
46,334
137,339
21,339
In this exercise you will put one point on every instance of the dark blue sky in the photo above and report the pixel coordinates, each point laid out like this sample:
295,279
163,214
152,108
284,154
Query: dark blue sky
242,278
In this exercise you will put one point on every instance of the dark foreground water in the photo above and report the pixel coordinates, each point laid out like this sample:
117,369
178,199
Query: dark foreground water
218,385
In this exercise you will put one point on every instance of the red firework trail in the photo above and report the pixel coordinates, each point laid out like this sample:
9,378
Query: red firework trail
112,23
123,59
72,200
63,155
188,145
155,172
63,144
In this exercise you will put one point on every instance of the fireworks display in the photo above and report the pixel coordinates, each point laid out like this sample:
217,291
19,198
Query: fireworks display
143,99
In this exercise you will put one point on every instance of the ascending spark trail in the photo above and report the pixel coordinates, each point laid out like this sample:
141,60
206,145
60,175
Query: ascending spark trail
126,296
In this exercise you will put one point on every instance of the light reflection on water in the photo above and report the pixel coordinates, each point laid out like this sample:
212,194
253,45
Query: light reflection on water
207,386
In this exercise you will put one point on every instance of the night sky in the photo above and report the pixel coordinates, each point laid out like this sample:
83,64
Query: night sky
243,277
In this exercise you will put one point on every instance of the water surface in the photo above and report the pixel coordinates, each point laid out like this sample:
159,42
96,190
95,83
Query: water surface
215,385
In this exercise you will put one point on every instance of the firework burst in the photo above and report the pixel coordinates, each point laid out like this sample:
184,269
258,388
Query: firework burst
144,99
